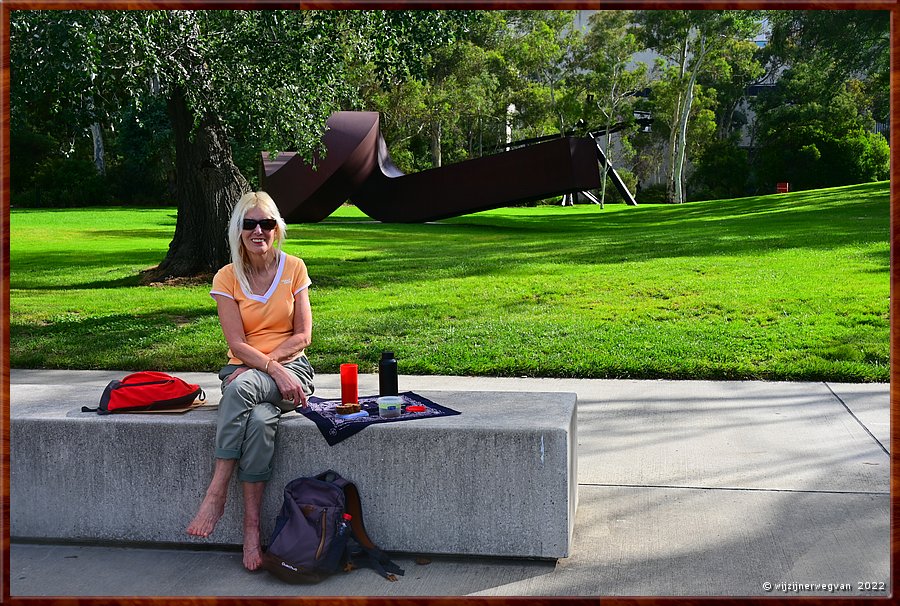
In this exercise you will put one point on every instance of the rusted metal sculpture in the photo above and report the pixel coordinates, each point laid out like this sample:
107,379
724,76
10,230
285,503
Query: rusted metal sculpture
357,167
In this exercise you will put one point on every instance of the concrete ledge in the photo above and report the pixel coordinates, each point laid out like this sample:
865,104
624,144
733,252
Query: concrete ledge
497,480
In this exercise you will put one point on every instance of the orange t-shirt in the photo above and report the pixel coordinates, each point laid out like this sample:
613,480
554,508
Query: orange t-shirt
268,319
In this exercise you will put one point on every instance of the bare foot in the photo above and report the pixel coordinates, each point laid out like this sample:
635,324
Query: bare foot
252,548
211,509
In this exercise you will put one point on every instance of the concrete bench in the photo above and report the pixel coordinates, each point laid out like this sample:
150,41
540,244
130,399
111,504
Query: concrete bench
497,480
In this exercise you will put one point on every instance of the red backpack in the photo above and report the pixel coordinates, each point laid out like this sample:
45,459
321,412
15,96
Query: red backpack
148,391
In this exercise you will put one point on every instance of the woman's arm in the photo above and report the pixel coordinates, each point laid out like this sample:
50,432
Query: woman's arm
233,329
302,335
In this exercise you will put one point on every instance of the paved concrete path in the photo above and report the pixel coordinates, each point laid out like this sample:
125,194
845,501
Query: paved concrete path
686,488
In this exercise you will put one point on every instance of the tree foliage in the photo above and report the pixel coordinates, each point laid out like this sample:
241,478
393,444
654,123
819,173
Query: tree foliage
690,41
187,99
268,77
739,66
816,125
609,79
813,136
841,44
541,48
457,105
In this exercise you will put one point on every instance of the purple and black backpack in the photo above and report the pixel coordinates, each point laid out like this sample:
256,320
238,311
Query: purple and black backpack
320,517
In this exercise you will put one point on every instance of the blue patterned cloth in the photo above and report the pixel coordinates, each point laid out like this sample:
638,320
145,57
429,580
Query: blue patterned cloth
334,429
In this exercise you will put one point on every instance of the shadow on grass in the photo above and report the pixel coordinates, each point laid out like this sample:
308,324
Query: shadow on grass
509,244
500,242
121,341
27,268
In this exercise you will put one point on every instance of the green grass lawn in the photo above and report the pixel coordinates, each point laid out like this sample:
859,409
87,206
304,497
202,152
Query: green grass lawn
792,286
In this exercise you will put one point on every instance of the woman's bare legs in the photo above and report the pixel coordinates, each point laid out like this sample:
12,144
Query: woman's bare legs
253,495
213,505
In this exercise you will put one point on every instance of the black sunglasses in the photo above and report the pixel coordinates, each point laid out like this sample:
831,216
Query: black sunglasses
266,224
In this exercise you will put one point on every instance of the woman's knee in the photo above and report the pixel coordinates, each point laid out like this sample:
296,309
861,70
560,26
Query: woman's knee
303,370
252,387
263,416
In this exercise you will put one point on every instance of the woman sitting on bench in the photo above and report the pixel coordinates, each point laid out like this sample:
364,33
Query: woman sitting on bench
263,305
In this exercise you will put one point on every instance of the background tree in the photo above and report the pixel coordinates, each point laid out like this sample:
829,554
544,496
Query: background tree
458,85
816,125
540,49
451,109
610,77
60,93
842,44
269,77
813,136
690,41
653,150
731,73
721,167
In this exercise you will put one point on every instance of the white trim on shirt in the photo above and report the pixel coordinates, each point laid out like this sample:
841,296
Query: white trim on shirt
305,285
219,292
265,298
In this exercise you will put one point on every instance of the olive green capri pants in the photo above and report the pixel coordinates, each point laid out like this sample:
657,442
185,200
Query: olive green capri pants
249,411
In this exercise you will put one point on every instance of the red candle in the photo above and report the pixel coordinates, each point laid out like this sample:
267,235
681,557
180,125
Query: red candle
349,384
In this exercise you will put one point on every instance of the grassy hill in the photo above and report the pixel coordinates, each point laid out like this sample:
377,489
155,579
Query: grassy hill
790,286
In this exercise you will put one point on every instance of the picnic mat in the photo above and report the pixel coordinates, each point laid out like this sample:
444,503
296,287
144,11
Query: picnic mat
333,429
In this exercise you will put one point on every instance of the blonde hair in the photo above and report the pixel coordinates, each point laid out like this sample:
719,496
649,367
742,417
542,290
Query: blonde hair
239,255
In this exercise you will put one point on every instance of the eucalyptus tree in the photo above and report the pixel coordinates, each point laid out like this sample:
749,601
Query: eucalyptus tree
690,41
458,82
540,47
721,164
610,76
273,76
458,95
731,74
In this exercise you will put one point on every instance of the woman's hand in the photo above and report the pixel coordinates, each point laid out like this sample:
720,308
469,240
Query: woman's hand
288,384
241,370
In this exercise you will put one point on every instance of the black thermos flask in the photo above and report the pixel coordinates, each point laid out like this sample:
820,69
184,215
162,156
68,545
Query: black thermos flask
387,374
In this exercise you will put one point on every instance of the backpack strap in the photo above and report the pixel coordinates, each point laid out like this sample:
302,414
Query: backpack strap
378,561
103,409
352,505
371,555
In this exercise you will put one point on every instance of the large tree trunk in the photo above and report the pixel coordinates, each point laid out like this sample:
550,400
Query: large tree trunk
208,187
672,149
673,173
681,142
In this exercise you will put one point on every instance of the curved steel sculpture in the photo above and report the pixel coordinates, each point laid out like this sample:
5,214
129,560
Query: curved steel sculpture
357,167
